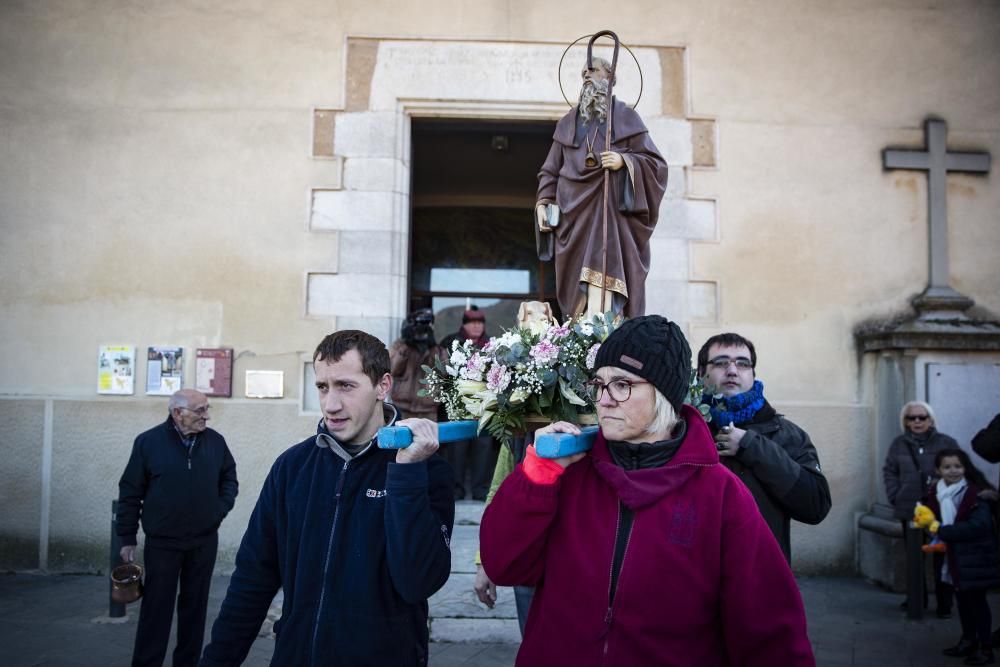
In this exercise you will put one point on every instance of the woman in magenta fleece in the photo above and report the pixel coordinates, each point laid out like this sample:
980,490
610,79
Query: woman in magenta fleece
646,551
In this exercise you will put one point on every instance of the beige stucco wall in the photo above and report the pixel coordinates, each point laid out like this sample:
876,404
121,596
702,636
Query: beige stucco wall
157,170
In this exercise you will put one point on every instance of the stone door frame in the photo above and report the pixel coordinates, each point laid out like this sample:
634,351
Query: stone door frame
366,201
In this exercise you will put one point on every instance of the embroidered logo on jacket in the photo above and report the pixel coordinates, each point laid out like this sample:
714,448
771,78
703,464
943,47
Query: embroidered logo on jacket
683,524
373,493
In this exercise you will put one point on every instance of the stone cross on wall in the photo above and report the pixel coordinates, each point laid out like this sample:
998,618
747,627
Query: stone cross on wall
937,161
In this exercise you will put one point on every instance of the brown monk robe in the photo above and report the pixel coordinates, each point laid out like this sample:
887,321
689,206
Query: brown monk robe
635,192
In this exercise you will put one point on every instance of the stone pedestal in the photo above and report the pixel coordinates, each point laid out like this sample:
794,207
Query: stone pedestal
881,548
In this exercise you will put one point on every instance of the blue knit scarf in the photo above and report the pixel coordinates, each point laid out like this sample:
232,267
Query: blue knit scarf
738,409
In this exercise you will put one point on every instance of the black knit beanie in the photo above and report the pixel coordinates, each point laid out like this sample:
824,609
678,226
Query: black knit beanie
653,348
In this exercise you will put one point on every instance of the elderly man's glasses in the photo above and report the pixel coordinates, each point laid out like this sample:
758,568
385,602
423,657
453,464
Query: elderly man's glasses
722,363
203,410
619,390
917,418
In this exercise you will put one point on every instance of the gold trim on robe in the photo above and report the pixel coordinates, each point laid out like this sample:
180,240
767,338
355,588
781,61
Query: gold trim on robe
591,277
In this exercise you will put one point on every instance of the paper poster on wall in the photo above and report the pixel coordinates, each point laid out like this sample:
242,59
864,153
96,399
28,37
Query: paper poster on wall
164,370
116,369
214,371
265,384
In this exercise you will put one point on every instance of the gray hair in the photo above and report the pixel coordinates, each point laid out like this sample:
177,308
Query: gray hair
916,404
182,398
666,417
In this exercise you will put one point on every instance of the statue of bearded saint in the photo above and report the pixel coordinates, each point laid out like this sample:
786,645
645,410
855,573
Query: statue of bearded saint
573,179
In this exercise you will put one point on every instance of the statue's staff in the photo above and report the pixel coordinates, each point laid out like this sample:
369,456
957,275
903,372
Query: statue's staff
607,148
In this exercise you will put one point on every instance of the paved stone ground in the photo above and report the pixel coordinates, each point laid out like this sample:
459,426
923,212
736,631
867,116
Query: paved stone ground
55,620
49,620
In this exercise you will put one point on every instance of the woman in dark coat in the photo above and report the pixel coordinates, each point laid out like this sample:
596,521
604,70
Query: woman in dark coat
909,472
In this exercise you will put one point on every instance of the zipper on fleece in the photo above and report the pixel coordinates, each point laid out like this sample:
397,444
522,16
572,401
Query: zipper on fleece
326,562
613,581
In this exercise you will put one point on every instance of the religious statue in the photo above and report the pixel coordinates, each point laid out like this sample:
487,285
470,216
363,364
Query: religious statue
606,197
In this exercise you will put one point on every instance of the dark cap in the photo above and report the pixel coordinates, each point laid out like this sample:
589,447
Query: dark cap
653,348
473,315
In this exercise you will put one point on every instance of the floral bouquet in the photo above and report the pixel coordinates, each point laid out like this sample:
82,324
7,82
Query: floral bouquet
540,370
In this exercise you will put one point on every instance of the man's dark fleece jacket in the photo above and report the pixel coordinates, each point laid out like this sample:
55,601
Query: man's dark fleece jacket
356,542
778,463
180,494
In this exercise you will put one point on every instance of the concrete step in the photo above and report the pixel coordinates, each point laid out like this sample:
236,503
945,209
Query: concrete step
456,615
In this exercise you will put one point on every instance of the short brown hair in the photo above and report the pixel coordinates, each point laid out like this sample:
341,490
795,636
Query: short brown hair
374,356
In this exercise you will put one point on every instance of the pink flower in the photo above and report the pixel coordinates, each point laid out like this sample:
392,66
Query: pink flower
557,332
475,367
592,355
498,378
545,352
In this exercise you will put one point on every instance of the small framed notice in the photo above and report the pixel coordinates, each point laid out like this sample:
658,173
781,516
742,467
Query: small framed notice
116,369
214,371
265,384
164,370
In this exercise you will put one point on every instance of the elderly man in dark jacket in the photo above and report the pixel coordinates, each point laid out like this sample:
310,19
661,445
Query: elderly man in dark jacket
770,454
181,481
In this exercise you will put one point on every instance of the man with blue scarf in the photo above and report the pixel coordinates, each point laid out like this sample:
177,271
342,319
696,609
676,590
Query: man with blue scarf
773,456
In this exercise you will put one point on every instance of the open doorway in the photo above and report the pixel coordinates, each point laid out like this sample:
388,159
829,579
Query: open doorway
472,234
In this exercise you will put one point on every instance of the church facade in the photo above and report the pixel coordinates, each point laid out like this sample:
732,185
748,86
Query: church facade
233,175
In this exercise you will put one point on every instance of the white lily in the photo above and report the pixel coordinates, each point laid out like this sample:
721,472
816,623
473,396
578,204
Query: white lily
569,394
519,395
469,387
489,398
486,416
473,406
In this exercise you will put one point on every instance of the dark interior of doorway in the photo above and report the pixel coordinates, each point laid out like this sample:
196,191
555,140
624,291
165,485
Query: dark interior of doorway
472,237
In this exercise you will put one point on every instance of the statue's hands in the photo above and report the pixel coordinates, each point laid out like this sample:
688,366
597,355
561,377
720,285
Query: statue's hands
612,160
542,216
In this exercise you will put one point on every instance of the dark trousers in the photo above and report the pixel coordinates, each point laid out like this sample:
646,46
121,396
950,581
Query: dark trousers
164,568
483,452
974,613
944,592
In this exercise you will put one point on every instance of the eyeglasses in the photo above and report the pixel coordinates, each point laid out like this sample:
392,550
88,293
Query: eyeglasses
916,418
722,363
199,411
619,390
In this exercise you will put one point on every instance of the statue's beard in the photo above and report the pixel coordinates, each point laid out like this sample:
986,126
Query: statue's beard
594,101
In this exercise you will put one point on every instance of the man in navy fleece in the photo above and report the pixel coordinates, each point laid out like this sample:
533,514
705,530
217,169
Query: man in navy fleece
357,536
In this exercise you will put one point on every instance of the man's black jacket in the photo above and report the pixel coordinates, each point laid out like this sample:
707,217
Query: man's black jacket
180,495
